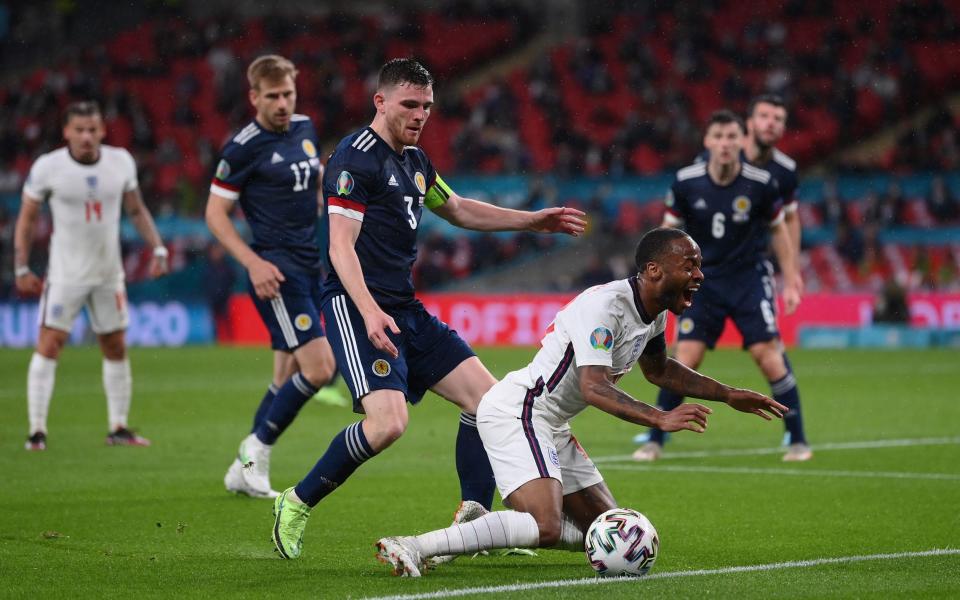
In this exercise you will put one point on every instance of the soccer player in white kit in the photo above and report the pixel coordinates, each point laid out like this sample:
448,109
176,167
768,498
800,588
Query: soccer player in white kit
542,472
85,183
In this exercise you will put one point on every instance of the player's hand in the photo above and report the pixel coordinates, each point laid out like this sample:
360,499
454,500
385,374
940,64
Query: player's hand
749,401
266,278
686,416
159,266
377,323
29,284
559,219
791,296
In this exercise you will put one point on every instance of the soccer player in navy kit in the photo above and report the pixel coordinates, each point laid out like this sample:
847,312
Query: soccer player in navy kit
271,166
390,350
727,206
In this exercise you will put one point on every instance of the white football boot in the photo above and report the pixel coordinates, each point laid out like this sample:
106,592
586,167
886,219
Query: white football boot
254,459
403,554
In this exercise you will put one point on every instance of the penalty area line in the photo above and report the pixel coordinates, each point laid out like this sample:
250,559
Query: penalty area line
562,583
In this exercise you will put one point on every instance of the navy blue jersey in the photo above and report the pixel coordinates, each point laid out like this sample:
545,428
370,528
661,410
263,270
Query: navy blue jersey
782,167
275,177
731,222
368,181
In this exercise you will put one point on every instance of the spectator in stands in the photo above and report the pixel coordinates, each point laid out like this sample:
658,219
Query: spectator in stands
941,203
849,243
891,305
597,272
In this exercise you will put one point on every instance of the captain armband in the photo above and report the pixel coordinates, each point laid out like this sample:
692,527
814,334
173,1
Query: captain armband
438,194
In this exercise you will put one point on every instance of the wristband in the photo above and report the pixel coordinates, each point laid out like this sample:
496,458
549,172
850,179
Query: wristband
21,271
160,252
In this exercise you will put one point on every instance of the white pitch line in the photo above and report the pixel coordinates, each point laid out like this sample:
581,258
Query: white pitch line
867,444
784,471
562,583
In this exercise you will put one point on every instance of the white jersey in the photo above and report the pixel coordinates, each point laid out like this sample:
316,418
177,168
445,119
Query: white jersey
602,326
85,202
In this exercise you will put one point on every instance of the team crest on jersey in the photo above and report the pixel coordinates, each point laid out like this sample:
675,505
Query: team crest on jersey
381,368
421,182
554,457
601,339
92,181
741,209
345,183
303,322
223,170
686,325
308,148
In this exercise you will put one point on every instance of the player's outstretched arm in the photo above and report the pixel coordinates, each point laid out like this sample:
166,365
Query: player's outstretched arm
142,219
264,275
26,281
598,389
481,216
672,375
344,232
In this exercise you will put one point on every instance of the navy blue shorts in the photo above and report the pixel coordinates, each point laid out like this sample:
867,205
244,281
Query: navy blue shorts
429,351
746,296
293,317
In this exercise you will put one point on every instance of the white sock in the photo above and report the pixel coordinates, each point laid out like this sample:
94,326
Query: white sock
500,529
117,383
40,377
571,538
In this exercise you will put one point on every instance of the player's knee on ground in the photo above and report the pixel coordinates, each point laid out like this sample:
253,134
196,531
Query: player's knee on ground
549,530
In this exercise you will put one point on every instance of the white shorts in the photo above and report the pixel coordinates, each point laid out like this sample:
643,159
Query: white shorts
106,306
529,447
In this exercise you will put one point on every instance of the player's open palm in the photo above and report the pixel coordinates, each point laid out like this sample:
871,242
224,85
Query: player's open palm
377,324
29,284
559,219
686,416
749,401
266,278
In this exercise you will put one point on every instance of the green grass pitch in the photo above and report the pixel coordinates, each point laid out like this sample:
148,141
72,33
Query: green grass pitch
82,519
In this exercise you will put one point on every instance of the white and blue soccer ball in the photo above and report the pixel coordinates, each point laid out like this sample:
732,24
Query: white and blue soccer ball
622,541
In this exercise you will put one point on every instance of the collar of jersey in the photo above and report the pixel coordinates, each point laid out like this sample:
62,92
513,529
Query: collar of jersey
384,142
635,288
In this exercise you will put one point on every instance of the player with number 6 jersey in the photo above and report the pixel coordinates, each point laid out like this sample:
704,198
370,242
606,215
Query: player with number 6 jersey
732,209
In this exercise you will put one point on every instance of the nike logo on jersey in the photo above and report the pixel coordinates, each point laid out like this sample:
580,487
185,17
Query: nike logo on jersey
393,181
276,158
700,203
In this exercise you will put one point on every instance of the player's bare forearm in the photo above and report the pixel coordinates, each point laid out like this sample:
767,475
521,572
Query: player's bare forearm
603,394
343,257
141,217
23,231
672,375
222,228
481,216
783,250
794,229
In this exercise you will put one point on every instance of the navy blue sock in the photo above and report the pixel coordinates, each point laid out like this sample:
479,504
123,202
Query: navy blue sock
290,399
785,392
264,407
347,451
665,401
473,466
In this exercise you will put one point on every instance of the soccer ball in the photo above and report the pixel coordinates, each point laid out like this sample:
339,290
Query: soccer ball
621,541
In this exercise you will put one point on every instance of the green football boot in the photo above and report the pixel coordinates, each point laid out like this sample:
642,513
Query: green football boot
290,519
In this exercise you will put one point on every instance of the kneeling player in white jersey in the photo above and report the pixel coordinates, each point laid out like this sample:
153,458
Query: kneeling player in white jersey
542,472
85,183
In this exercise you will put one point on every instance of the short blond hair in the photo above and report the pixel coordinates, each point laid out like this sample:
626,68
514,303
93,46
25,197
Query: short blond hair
271,67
